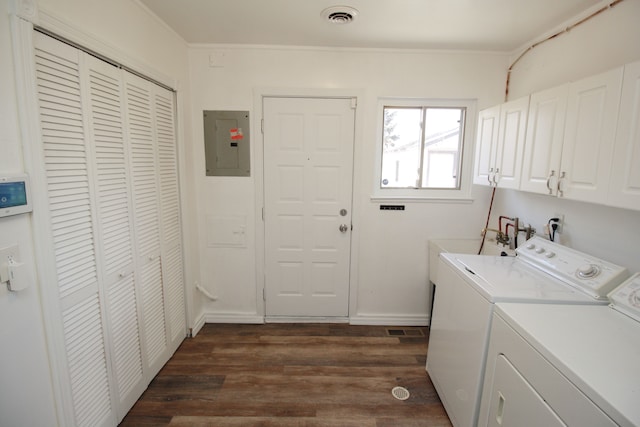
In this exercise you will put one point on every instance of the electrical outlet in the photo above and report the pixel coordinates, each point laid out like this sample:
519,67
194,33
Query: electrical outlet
560,223
5,254
11,251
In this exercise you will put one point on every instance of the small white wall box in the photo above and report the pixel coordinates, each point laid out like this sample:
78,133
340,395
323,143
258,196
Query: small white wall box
15,194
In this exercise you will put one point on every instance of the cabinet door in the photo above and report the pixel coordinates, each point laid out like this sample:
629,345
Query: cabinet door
543,141
512,128
587,151
486,145
624,189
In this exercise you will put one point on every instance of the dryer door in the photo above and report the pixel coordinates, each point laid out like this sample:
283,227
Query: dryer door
514,403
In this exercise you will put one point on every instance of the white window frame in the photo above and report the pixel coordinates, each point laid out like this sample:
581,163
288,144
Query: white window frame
462,194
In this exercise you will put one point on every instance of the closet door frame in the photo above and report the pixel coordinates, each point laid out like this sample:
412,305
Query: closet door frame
22,29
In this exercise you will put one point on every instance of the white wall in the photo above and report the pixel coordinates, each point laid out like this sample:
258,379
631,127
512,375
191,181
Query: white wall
119,28
607,41
390,248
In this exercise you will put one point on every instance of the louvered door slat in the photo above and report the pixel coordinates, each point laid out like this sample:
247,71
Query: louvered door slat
175,291
127,352
153,309
83,335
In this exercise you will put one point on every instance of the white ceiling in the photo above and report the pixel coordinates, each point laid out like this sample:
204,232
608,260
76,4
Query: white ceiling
497,25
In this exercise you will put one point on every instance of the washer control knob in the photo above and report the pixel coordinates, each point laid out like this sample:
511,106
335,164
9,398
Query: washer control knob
531,246
586,271
550,254
539,250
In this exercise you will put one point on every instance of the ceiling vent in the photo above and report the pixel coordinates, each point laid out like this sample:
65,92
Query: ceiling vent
340,14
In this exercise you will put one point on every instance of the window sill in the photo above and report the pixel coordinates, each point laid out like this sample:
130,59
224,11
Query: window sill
420,199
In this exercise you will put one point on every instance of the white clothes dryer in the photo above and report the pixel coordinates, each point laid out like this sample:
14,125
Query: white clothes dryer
565,365
469,287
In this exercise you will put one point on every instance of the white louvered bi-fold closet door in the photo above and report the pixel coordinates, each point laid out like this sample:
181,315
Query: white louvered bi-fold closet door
115,224
73,232
150,112
111,169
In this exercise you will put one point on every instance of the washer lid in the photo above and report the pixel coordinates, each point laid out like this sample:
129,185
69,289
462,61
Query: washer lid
511,280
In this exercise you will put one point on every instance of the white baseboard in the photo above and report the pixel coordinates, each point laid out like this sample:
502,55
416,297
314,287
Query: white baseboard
293,319
233,318
239,318
390,320
199,323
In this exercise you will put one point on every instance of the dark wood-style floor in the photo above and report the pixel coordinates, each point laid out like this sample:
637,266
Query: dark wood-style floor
302,375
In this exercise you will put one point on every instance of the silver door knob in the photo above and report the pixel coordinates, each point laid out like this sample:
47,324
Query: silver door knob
343,228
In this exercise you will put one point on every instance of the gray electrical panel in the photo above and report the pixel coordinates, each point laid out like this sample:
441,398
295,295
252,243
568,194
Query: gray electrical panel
226,143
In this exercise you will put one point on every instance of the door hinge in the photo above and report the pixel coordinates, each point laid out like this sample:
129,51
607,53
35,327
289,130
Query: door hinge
354,103
263,214
264,294
262,126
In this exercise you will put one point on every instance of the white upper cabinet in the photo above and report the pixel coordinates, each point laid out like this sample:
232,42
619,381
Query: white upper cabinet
543,146
624,188
501,134
590,130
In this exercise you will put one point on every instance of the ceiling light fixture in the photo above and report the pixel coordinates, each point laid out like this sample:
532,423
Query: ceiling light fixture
340,15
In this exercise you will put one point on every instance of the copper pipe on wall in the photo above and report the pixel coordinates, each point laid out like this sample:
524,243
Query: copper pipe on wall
551,37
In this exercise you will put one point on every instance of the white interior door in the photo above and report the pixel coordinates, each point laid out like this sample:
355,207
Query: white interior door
308,172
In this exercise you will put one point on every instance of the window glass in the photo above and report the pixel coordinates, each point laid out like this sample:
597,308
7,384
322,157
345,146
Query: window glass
422,147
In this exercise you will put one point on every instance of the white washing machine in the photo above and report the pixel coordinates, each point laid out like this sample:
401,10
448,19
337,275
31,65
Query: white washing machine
560,365
468,288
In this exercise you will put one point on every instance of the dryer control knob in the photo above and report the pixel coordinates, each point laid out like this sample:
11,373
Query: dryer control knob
540,250
550,254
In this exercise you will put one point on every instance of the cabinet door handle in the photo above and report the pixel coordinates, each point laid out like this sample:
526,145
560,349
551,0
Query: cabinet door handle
489,175
561,179
549,181
496,177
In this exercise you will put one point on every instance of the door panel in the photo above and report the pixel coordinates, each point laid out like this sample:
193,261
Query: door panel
589,136
308,165
544,137
624,188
